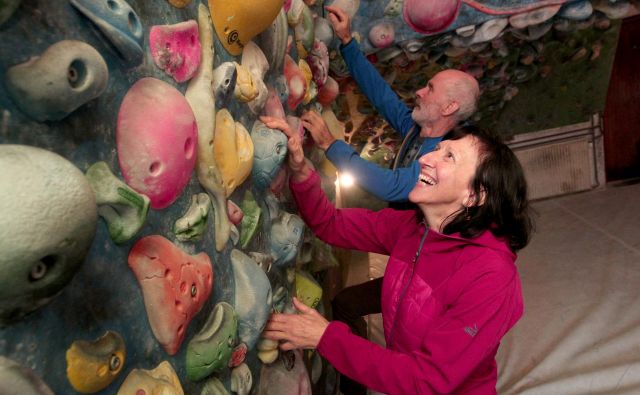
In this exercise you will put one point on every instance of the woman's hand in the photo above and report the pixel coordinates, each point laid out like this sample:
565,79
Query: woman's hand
317,127
341,23
300,169
302,330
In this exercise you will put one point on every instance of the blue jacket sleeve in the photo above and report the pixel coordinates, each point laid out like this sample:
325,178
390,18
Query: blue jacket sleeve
376,89
385,184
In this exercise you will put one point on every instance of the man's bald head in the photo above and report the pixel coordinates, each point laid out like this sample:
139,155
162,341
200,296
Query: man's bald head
462,88
450,96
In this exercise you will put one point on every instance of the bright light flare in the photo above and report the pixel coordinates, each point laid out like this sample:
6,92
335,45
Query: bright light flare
346,180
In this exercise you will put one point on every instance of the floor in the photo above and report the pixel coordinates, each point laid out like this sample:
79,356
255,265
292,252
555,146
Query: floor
580,333
581,282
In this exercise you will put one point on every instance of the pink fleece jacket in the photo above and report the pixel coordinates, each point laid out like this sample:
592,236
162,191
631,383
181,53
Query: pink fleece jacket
445,305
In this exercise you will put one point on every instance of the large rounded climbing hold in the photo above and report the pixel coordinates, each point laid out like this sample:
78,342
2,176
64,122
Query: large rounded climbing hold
269,151
576,11
534,17
18,379
92,366
176,49
237,22
233,149
119,23
290,373
350,7
210,349
156,138
160,380
297,84
273,41
175,286
382,35
284,238
253,298
430,16
49,217
67,75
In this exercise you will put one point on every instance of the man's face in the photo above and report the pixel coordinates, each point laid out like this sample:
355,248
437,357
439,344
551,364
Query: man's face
432,100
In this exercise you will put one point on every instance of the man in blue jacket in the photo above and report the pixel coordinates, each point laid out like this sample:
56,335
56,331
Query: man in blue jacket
450,97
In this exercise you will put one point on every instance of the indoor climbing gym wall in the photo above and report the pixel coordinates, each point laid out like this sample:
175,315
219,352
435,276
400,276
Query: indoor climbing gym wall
146,234
146,229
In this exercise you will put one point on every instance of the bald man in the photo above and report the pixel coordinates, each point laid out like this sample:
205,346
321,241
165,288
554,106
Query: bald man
449,97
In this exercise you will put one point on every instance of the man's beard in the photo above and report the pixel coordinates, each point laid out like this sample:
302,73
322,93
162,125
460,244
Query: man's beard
425,114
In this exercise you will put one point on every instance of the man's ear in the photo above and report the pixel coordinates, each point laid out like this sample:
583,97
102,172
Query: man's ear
450,108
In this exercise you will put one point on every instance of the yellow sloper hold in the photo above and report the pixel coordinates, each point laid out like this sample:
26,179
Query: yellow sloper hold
238,21
308,291
223,146
306,70
244,148
233,150
92,366
267,350
312,90
245,90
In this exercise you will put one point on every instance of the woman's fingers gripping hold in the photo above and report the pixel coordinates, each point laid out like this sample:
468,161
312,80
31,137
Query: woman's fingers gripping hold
294,143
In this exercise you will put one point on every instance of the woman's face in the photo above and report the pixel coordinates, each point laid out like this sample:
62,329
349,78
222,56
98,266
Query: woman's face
445,176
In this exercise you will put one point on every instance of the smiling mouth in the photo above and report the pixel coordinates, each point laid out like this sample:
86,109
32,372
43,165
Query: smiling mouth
427,180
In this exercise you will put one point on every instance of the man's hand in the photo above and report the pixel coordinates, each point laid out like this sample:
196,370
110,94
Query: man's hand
341,23
299,167
317,127
303,330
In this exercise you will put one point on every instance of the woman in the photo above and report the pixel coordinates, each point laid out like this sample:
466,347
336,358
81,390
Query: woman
451,290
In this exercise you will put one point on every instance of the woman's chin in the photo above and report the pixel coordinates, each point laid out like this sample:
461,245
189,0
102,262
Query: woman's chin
412,196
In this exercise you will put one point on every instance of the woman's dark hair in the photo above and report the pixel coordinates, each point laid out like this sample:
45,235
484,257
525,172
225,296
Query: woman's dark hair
499,176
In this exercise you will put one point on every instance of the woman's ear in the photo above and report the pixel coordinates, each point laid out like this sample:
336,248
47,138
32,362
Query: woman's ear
474,200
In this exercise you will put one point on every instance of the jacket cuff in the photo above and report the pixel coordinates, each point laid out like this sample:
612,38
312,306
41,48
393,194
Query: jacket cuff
327,344
347,46
307,184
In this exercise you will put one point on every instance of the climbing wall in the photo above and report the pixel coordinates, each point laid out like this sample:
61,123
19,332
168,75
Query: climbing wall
146,232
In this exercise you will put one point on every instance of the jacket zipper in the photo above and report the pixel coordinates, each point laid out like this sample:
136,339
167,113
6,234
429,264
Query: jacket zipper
406,286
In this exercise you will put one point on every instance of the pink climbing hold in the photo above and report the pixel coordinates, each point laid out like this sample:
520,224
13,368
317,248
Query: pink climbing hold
318,60
234,212
328,92
156,138
176,49
296,83
273,105
382,35
430,16
175,286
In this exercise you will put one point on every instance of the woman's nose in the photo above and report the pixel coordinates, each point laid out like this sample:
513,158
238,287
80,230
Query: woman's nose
426,159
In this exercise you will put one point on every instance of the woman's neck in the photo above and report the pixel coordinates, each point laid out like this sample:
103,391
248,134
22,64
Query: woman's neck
436,218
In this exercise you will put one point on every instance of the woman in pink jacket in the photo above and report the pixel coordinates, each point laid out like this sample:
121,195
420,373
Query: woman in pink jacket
451,290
